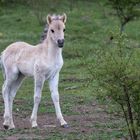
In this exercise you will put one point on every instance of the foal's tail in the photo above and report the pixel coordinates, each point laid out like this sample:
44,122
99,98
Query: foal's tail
2,67
0,62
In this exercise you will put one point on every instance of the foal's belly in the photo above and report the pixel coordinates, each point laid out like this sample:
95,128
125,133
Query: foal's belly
26,69
48,72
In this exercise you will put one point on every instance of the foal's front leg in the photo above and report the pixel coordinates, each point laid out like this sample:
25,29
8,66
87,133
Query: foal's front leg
39,81
53,84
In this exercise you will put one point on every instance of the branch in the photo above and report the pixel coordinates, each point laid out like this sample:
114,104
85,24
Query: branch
129,111
127,122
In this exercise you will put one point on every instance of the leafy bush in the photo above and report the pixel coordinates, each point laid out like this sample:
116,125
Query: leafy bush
117,72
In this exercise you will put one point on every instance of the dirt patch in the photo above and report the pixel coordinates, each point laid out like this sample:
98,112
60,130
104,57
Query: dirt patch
89,119
48,125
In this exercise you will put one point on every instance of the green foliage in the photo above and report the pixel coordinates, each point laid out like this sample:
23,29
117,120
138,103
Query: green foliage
117,73
7,1
126,10
1,1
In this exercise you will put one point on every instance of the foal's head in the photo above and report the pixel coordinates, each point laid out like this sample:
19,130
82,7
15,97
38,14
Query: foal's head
56,29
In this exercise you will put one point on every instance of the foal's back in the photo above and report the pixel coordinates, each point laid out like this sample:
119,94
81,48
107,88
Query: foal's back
20,55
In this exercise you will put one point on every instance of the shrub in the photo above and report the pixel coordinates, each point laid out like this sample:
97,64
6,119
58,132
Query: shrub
117,72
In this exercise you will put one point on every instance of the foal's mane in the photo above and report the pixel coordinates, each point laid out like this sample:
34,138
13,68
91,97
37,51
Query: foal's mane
45,31
44,34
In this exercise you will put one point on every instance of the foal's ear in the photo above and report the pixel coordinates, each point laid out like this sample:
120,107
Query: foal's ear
49,20
64,18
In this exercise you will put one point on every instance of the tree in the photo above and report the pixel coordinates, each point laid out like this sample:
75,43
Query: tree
126,10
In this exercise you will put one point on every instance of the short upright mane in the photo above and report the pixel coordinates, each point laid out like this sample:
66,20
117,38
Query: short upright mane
58,17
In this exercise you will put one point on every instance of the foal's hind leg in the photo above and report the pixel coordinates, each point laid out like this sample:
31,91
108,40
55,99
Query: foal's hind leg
11,76
15,86
6,92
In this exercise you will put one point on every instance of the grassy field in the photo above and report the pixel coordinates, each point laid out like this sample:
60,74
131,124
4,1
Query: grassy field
87,30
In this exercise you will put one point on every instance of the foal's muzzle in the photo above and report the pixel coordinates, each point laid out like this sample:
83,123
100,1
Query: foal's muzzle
60,43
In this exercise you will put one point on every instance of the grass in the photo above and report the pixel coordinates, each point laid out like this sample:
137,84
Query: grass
87,31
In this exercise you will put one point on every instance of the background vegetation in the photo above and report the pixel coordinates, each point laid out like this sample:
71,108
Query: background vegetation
88,86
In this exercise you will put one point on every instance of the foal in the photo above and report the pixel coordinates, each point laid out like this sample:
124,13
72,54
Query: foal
42,62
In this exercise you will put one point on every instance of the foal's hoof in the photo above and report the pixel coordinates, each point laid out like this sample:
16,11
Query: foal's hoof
65,126
6,126
34,124
35,127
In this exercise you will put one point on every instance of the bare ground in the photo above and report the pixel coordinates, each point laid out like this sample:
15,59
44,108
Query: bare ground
88,120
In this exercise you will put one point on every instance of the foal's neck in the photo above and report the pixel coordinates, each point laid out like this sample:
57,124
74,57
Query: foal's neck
53,51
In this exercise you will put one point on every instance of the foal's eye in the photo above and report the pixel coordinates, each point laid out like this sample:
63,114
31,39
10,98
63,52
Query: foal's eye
64,30
52,30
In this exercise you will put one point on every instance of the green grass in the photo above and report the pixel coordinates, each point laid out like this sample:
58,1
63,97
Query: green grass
87,31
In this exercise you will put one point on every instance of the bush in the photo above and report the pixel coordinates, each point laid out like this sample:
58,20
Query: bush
117,72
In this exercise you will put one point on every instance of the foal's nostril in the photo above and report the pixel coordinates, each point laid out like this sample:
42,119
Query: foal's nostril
60,41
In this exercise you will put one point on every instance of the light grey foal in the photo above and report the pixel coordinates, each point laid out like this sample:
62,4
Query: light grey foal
42,62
